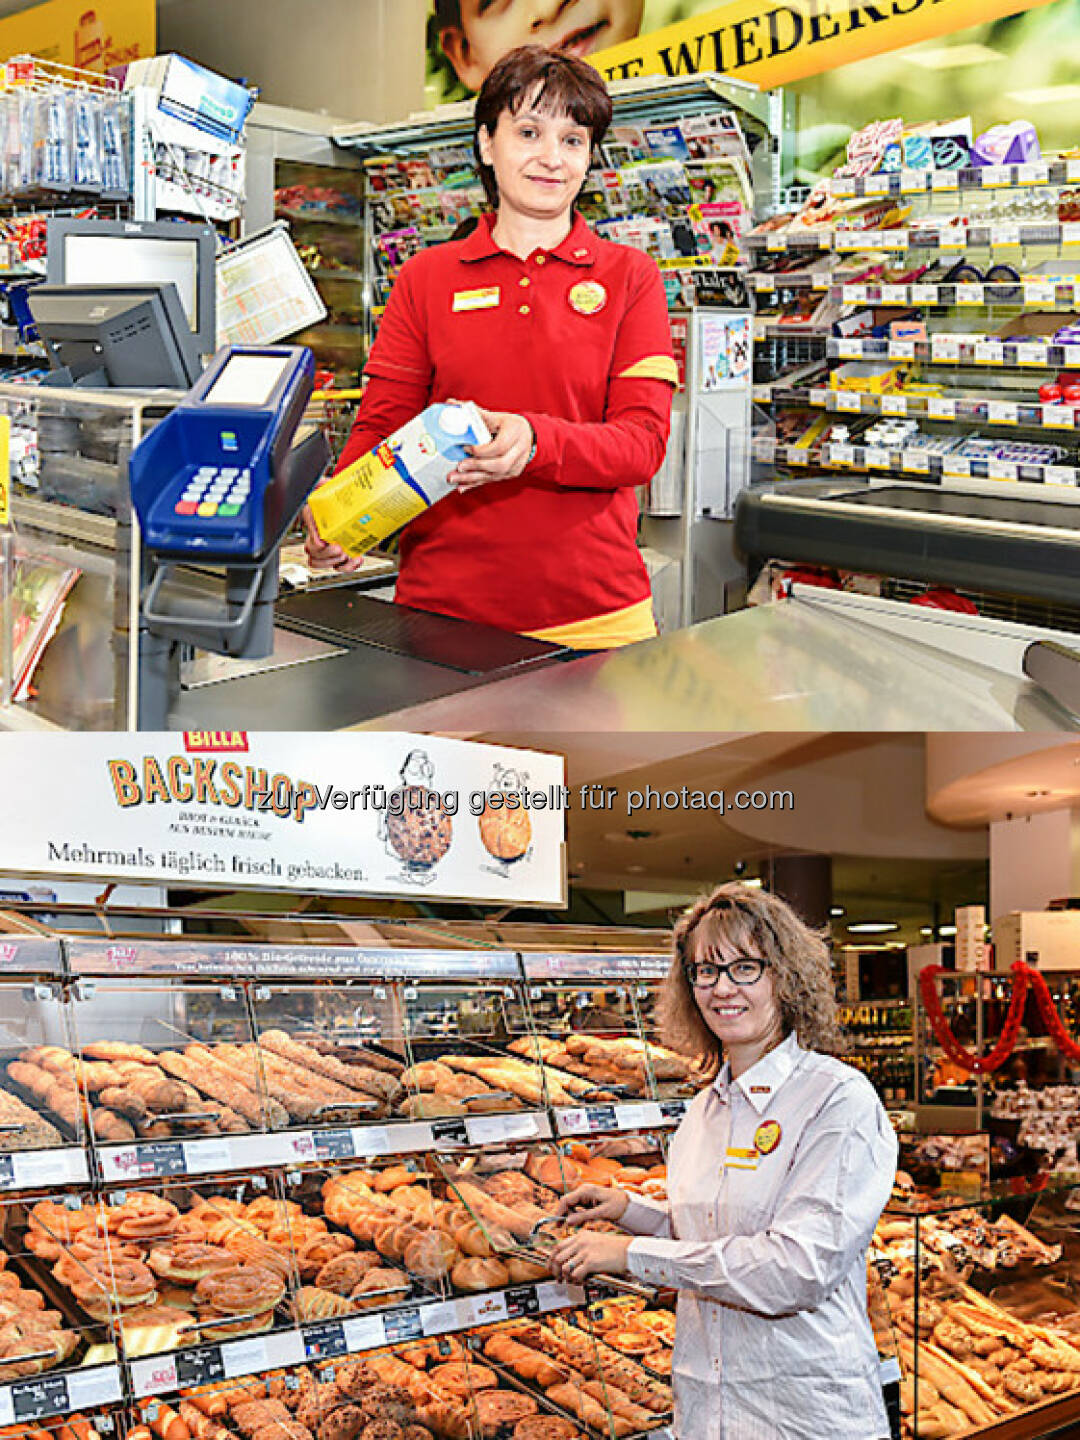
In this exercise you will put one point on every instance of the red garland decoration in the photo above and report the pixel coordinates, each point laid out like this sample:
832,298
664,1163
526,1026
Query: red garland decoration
985,1064
1051,1019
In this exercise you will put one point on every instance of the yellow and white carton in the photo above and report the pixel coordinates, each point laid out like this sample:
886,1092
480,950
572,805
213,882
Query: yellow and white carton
382,491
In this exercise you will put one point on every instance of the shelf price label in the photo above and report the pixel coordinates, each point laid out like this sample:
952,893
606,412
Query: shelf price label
1060,475
673,1111
1004,235
876,458
945,347
1030,353
364,1332
917,462
855,294
894,405
244,1357
842,454
764,283
924,294
991,176
944,180
939,407
775,242
1039,292
954,238
522,1301
201,1365
912,182
849,349
324,1341
847,402
819,397
1070,233
797,456
989,352
1001,470
894,294
876,185
968,294
403,1324
334,1145
1036,173
1001,412
957,466
1058,417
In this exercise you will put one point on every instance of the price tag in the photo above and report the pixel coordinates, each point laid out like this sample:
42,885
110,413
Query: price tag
364,1332
1001,470
956,465
325,1340
924,294
1036,173
572,1122
912,181
99,1386
37,1399
1072,170
994,175
848,403
953,239
1070,233
449,1132
797,456
638,1117
200,1366
774,242
403,1324
901,349
764,283
855,294
673,1111
819,397
160,1158
522,1300
876,185
894,405
487,1129
917,462
154,1377
843,187
440,1319
7,1408
842,454
1031,354
205,1157
874,239
1039,292
244,1357
762,394
894,294
371,1140
940,408
1001,412
989,352
1059,475
945,347
944,180
489,1309
1058,417
876,458
1072,354
847,240
1004,235
849,349
967,294
335,1145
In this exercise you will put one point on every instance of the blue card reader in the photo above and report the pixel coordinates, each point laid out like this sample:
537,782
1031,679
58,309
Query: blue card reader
213,480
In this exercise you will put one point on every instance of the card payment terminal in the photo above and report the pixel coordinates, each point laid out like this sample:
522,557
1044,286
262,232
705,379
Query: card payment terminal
213,480
216,486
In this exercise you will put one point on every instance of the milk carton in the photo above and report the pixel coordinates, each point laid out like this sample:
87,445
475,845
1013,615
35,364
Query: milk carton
382,491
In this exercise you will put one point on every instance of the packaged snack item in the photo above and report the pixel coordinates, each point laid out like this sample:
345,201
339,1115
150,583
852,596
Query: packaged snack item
382,491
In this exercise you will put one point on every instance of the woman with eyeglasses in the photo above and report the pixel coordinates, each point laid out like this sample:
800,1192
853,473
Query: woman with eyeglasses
776,1179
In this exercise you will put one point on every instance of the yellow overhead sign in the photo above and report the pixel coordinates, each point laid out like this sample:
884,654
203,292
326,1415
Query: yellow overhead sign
773,43
81,33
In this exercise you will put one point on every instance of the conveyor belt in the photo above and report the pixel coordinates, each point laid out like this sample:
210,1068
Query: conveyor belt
1014,546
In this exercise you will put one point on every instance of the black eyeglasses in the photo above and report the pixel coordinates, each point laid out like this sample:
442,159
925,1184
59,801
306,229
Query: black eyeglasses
744,970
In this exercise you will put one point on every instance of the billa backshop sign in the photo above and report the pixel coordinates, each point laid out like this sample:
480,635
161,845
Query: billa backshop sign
389,815
773,43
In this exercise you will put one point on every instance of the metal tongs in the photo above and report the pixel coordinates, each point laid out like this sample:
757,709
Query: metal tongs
613,1282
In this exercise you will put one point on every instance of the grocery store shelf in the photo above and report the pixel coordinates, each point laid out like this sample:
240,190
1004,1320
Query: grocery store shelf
965,409
352,1335
1046,294
981,350
936,182
911,460
600,1119
956,238
320,217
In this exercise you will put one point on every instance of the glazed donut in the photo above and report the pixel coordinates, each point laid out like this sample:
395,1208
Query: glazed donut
126,1282
479,1274
146,1203
146,1227
462,1379
190,1261
246,1290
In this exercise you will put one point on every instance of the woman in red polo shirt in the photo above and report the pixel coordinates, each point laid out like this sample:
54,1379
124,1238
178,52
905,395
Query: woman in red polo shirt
562,340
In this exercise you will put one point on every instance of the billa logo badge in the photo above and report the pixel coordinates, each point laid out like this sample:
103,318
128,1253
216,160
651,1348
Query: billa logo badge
767,1137
588,297
210,742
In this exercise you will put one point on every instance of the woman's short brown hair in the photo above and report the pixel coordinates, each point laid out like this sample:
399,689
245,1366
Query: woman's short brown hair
755,923
554,82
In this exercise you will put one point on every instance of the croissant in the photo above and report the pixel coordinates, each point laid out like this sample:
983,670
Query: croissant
313,1304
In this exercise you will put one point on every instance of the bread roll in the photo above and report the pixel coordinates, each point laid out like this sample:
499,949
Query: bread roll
474,1273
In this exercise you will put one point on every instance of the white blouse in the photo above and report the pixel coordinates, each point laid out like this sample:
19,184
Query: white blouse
775,1182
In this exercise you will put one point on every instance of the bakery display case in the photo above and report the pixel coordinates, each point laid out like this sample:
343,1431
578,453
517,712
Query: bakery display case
983,1298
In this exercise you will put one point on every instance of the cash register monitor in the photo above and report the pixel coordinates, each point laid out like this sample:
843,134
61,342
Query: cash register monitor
121,252
127,337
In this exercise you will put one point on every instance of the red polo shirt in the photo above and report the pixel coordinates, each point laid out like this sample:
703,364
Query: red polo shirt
577,340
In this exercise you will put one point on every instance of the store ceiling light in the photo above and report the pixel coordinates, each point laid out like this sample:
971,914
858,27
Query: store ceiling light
954,57
946,931
753,882
927,930
1047,95
873,927
837,910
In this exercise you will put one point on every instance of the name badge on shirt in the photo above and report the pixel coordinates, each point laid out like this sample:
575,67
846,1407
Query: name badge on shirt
486,299
741,1159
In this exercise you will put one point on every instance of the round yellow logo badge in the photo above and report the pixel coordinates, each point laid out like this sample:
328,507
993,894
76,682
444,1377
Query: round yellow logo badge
767,1137
588,297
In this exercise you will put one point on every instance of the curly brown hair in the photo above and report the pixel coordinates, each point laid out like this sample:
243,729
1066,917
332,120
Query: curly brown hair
755,923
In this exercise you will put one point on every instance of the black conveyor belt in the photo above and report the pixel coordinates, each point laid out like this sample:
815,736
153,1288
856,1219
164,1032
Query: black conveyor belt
1014,546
